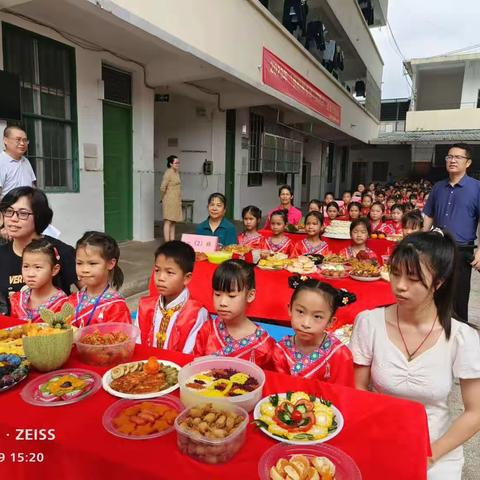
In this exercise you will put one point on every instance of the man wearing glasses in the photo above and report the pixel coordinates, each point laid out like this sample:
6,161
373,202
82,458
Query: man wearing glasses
454,205
15,169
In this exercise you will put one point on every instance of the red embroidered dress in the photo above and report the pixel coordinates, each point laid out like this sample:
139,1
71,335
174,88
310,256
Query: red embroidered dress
214,339
19,305
284,246
395,228
253,240
304,247
331,362
110,307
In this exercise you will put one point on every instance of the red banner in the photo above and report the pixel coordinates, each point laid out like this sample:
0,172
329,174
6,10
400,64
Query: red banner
280,76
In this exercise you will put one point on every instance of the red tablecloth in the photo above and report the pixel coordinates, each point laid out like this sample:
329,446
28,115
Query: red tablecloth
379,246
273,294
387,437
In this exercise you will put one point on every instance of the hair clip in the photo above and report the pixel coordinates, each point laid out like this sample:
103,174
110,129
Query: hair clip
296,281
439,231
57,255
345,298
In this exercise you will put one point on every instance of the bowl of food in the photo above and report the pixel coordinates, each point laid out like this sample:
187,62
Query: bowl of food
321,462
140,419
221,380
334,270
211,434
107,343
218,257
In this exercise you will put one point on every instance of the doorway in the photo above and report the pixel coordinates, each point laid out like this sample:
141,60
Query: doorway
359,173
230,163
117,154
306,178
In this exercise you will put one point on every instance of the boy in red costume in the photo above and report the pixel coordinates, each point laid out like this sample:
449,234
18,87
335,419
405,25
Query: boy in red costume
171,319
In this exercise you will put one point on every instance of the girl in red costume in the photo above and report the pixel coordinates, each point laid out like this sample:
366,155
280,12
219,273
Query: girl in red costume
313,352
251,220
40,265
231,333
97,267
278,242
312,244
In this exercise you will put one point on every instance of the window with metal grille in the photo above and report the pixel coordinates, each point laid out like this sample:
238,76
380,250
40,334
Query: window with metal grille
48,102
255,147
330,159
280,154
255,179
117,85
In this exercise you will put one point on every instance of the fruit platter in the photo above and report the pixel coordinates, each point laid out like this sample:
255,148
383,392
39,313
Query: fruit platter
13,369
141,380
61,387
300,462
226,382
298,418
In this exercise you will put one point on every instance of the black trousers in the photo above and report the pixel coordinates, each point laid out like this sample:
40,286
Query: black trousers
464,275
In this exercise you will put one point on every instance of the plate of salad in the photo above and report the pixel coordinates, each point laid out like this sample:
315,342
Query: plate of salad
298,418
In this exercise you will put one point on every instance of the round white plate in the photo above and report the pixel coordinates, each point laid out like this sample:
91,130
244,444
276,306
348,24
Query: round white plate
107,378
365,279
338,417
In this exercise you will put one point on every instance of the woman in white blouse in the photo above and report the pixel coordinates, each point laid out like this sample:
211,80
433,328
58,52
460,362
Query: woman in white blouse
414,349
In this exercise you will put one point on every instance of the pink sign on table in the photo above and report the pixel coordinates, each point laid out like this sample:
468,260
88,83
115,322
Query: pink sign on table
200,243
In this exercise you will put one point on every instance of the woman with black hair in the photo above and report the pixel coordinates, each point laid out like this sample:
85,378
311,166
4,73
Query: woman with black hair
414,349
294,215
171,192
216,225
26,214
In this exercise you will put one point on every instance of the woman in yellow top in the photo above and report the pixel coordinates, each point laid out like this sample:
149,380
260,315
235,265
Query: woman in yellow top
171,193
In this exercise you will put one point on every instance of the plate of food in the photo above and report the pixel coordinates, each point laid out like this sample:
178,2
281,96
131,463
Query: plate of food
344,333
275,261
238,249
385,273
13,369
11,340
302,265
61,387
334,271
335,258
298,418
141,380
365,271
320,462
395,238
142,419
200,257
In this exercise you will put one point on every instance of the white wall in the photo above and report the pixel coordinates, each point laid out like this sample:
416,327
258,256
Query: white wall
439,89
76,212
199,138
471,84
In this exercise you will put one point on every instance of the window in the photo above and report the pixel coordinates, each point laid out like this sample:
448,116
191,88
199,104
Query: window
281,179
255,147
478,99
47,80
380,171
344,165
255,179
330,159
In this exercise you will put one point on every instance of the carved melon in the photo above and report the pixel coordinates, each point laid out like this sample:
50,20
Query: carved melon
48,352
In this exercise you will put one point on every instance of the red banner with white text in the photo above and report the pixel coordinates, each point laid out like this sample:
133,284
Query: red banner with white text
280,76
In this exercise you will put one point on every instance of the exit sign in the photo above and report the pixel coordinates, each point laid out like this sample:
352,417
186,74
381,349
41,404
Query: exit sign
164,98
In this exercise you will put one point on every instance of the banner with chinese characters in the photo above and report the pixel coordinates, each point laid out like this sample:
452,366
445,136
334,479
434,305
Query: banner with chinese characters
280,76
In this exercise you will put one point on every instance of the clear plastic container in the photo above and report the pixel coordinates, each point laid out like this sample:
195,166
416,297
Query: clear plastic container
116,408
247,401
218,257
103,355
212,451
345,467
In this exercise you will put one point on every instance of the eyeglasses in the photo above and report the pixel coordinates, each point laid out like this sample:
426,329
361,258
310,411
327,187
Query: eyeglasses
21,214
456,157
19,140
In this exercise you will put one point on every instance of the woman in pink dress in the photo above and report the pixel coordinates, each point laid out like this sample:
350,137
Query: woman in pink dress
286,203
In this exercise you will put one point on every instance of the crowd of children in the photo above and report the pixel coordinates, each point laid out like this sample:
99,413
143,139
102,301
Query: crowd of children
171,319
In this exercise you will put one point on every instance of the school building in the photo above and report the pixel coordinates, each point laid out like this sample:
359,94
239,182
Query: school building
249,94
